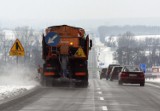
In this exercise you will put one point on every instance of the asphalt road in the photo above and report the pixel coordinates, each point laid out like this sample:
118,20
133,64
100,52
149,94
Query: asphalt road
100,95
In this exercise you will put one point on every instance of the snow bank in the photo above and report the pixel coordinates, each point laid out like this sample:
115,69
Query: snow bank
156,80
15,80
11,91
18,75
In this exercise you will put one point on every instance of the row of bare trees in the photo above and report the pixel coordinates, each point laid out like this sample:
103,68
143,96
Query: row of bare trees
129,50
31,41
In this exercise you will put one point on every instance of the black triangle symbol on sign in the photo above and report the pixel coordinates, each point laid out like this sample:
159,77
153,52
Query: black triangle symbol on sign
17,46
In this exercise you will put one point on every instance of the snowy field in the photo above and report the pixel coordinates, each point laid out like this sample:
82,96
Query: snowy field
16,80
113,39
156,80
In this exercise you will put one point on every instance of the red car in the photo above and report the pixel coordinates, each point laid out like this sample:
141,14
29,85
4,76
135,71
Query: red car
131,74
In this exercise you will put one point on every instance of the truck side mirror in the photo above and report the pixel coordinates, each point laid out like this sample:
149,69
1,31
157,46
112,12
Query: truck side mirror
90,44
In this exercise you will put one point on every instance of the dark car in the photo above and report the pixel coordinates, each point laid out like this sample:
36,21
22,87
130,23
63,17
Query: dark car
103,73
109,70
115,72
131,74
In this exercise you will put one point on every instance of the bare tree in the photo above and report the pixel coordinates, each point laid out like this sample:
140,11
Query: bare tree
126,43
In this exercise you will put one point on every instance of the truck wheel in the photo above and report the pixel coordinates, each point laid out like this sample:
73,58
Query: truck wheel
86,79
86,83
46,81
43,83
82,84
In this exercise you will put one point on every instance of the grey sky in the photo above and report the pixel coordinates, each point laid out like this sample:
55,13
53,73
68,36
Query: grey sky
78,9
105,12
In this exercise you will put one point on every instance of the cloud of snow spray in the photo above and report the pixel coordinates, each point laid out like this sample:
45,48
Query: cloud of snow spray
18,75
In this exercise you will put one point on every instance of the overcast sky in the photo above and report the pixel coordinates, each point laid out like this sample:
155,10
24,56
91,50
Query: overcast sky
78,9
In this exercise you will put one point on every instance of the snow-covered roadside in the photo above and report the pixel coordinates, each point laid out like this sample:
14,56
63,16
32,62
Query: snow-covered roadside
11,91
16,81
156,80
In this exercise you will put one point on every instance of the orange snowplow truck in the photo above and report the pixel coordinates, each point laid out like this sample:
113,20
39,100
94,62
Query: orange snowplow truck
65,51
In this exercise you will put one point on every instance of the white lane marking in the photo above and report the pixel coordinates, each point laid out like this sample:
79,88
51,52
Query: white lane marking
153,85
99,92
94,106
101,98
104,108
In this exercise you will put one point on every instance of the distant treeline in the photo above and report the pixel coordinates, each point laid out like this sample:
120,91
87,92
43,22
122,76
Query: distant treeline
137,30
130,51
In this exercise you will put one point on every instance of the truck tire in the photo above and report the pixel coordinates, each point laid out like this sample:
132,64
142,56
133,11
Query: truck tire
80,66
46,81
85,81
82,84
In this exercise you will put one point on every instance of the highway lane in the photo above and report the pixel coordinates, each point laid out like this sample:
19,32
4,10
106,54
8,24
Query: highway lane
130,97
68,98
100,95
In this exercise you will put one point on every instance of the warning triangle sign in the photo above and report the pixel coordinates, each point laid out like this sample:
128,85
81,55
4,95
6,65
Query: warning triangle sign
17,49
80,53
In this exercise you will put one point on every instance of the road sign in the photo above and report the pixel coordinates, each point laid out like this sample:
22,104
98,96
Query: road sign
52,39
17,49
80,53
143,67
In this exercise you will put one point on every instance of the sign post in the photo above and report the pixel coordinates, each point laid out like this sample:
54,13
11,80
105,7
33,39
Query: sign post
143,67
17,50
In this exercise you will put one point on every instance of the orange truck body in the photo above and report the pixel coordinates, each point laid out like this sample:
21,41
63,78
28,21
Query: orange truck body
69,58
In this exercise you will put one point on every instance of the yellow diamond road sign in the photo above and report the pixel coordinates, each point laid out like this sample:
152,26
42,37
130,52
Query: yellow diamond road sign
80,53
17,49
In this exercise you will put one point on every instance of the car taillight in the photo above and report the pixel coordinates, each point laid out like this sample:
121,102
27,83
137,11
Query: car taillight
124,74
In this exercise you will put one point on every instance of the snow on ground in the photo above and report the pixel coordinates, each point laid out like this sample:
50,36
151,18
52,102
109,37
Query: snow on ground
104,54
156,80
15,80
11,91
113,39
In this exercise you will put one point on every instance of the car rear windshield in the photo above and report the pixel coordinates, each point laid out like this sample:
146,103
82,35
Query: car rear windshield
111,66
131,69
104,69
118,68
